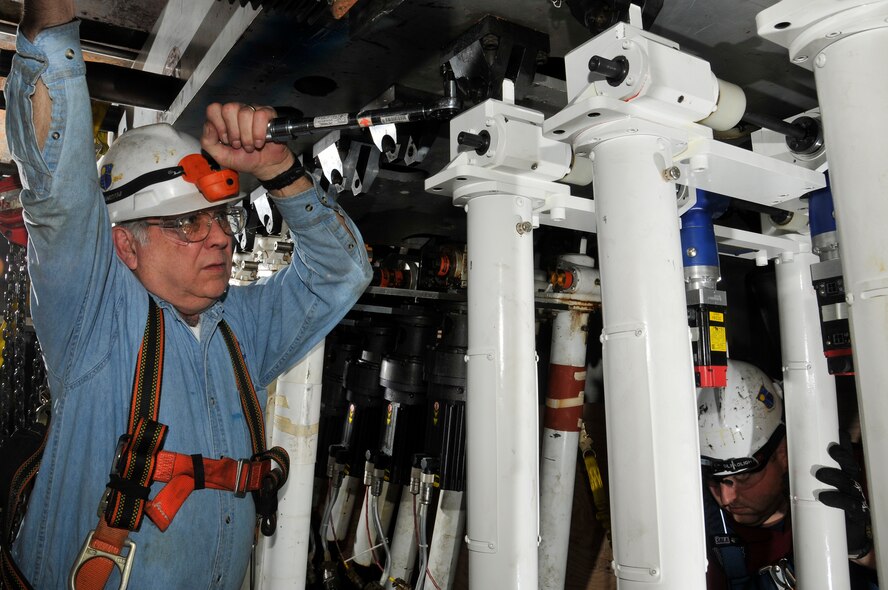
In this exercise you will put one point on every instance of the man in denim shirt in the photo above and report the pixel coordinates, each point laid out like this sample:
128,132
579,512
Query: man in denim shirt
90,295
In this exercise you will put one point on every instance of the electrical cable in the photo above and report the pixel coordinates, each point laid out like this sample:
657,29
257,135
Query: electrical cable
374,506
424,543
369,535
326,520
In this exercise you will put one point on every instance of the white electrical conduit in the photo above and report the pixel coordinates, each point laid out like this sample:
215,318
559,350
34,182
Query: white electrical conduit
820,548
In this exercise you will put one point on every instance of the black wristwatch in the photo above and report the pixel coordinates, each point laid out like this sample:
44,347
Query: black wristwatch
285,178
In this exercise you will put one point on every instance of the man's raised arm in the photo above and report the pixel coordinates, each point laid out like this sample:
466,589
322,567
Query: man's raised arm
36,16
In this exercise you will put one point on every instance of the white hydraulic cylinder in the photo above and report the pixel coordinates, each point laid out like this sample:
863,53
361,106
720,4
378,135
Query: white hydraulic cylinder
295,419
340,518
450,524
366,537
845,43
501,398
809,395
653,452
404,545
561,436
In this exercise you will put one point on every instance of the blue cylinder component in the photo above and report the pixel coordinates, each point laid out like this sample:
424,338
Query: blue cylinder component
697,233
820,210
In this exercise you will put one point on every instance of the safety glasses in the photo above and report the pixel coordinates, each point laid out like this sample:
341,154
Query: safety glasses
742,469
747,479
195,227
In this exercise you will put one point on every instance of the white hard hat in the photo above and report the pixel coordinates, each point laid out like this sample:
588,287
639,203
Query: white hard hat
155,171
741,424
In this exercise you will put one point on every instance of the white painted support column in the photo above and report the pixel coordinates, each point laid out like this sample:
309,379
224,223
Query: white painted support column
561,437
809,397
294,422
450,524
653,453
404,539
850,74
501,397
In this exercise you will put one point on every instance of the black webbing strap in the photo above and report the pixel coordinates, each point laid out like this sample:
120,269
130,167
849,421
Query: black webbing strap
249,401
266,499
10,575
130,478
141,182
197,464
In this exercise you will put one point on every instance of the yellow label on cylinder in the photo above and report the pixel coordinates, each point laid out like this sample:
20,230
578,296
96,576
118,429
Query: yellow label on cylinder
715,316
717,340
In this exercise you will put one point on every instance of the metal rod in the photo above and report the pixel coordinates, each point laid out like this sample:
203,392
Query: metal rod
774,124
286,128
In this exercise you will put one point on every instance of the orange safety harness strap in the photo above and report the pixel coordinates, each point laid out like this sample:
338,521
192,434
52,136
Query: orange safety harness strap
139,461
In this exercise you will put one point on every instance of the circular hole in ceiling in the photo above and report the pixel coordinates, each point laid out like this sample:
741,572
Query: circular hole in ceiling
315,85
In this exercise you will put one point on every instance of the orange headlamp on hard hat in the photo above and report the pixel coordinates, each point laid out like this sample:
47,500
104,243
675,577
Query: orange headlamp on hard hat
214,185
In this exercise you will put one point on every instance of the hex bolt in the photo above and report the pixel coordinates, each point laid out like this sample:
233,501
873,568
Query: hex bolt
523,227
672,173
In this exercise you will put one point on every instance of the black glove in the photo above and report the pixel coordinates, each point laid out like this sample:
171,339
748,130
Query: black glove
848,496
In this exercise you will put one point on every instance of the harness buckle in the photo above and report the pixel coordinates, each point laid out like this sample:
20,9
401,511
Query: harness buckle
237,481
781,574
122,443
122,562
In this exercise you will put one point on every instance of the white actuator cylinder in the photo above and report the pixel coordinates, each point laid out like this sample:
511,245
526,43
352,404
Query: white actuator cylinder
849,74
809,392
501,399
653,453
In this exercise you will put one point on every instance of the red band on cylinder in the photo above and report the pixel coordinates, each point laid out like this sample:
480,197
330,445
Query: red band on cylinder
564,403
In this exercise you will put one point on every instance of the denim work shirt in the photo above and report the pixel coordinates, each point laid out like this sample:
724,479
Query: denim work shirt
90,311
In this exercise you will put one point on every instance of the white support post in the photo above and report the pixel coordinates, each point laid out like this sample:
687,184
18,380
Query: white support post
845,43
655,479
809,396
501,398
294,426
